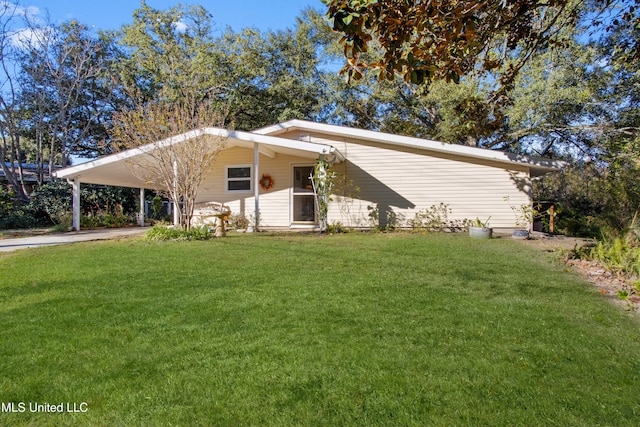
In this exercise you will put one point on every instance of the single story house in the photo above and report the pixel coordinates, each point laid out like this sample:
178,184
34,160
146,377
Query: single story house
381,177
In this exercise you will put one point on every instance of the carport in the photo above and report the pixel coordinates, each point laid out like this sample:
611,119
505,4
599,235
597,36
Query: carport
115,169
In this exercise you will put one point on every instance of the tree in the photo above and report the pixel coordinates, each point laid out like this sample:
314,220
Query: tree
257,78
271,77
176,170
581,102
555,109
56,93
67,91
455,113
444,39
10,114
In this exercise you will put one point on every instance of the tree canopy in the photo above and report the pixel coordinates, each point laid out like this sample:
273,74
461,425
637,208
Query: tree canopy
444,39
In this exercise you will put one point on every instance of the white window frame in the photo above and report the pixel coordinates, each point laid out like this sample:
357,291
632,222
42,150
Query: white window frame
227,179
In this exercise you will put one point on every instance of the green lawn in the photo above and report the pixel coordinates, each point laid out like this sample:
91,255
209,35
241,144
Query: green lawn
359,329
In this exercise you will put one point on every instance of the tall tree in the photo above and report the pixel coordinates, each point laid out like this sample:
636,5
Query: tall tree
257,78
581,102
454,113
555,109
170,52
272,76
67,90
11,15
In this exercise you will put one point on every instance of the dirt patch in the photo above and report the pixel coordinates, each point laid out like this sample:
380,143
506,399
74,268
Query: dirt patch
618,290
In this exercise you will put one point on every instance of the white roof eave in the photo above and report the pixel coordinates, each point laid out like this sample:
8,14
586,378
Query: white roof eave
274,143
538,165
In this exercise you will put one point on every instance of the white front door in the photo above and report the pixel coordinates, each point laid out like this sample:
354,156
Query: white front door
303,203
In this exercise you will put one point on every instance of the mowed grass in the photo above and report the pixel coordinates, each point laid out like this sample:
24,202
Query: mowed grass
298,330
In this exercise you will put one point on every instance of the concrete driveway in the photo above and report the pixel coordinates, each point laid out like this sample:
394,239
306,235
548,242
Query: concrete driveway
8,245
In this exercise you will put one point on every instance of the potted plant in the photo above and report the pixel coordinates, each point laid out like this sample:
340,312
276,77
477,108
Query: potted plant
524,219
480,229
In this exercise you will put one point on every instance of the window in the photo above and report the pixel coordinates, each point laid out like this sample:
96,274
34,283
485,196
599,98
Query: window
238,179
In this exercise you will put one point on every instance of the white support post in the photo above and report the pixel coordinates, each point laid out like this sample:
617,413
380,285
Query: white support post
76,203
176,209
141,212
256,183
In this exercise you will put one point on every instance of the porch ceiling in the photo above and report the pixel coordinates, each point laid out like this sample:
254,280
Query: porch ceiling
114,169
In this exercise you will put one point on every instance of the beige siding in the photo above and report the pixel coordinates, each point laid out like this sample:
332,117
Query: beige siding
274,203
403,181
407,181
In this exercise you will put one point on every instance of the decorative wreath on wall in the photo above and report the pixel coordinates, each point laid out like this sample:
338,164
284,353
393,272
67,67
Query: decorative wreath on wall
266,182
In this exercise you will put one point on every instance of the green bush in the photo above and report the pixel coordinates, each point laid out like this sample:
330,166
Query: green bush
53,199
336,227
51,203
160,233
15,215
63,222
7,200
620,254
436,218
21,217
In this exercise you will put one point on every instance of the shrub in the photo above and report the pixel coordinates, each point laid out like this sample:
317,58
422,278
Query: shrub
7,200
383,218
592,197
63,222
161,233
157,207
336,227
620,255
13,214
239,221
436,218
20,217
53,199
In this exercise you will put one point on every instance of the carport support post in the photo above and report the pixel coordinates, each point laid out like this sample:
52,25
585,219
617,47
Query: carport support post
76,204
176,209
141,212
256,184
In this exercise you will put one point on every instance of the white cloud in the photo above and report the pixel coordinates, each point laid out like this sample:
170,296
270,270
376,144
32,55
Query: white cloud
27,37
180,27
24,28
10,8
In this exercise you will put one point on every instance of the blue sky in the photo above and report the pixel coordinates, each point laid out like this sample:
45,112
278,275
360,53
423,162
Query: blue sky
238,14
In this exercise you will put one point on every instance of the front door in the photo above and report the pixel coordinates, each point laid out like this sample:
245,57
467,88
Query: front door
304,203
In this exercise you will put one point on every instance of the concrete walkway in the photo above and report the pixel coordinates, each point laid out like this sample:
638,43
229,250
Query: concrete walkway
8,245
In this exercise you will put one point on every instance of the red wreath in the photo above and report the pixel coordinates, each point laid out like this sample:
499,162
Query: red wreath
266,182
